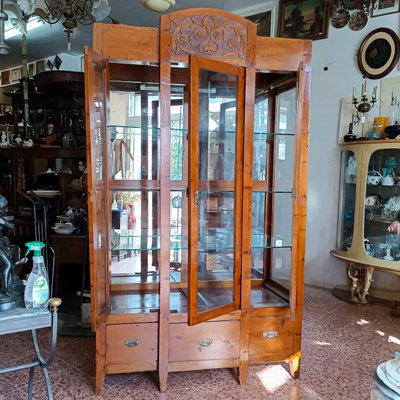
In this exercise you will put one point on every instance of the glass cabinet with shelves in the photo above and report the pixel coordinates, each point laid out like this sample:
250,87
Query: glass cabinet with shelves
197,189
369,202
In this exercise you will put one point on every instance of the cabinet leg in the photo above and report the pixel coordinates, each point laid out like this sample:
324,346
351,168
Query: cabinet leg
369,271
100,358
100,375
163,378
243,369
294,365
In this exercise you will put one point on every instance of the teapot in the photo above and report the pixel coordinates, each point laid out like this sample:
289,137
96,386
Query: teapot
388,181
374,178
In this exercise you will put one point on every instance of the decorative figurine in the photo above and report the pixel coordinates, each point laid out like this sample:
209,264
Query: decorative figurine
11,287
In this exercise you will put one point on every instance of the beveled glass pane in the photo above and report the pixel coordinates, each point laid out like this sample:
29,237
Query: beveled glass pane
215,197
382,205
216,248
133,133
260,138
267,238
178,237
347,200
135,235
217,130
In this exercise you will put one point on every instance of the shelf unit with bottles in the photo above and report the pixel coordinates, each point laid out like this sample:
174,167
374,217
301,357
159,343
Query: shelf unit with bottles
369,202
205,144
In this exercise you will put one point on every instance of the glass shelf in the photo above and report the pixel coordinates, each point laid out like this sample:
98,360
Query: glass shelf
116,131
130,239
262,241
269,135
132,130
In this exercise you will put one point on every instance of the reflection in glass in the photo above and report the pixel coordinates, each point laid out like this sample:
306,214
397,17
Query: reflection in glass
216,205
260,138
347,200
135,238
382,205
217,130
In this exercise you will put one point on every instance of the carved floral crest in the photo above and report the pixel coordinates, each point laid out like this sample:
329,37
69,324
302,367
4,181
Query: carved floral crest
208,35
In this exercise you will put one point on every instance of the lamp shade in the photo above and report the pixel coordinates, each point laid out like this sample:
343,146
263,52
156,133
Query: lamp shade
101,9
158,5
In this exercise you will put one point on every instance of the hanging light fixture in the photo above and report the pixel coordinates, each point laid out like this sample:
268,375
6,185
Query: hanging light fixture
4,49
158,5
72,12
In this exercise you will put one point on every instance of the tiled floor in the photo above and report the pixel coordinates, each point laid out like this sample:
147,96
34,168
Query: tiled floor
342,346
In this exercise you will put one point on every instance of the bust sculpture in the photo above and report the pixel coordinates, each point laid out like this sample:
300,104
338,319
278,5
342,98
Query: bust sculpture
11,287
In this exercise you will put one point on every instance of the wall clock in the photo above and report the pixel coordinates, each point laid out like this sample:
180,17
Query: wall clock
378,53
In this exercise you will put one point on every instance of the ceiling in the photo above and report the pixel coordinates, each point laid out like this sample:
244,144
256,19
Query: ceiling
49,40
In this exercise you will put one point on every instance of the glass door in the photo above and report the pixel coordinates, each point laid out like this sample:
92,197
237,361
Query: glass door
215,169
273,192
95,79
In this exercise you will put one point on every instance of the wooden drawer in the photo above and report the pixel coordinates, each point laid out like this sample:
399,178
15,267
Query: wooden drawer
271,335
134,344
207,341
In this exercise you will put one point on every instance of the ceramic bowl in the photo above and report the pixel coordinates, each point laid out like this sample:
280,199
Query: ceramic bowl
63,229
392,131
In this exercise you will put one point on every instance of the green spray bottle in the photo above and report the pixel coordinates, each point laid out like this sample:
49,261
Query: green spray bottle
37,285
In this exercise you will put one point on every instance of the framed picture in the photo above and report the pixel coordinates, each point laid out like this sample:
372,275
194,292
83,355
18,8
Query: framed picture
40,66
5,77
378,53
303,20
15,74
31,69
264,17
383,7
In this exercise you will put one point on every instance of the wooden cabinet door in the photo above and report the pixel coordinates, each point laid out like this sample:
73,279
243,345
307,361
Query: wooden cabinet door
216,175
95,103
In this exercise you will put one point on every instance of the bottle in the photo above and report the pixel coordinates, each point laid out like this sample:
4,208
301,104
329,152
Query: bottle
374,133
131,218
350,136
37,285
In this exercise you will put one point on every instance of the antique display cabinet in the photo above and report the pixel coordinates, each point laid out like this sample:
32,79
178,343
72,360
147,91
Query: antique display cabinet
197,190
369,202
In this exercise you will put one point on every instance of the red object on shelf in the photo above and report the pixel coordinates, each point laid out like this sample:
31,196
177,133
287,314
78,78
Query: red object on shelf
131,218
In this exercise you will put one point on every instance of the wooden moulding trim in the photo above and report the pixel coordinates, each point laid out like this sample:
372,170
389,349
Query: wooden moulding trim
133,185
116,319
197,365
134,367
182,318
276,357
139,43
270,312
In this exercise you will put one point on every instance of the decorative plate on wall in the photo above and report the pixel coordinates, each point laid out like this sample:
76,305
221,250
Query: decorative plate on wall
378,53
341,19
358,20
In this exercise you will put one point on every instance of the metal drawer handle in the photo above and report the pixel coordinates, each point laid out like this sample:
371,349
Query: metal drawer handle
270,334
205,342
131,342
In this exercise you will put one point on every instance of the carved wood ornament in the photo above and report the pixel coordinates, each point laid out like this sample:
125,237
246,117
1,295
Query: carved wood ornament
209,35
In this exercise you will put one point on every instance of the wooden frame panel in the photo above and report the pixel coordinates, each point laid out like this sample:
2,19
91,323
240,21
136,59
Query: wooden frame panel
197,63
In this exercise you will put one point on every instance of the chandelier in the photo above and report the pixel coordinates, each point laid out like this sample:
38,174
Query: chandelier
4,49
71,12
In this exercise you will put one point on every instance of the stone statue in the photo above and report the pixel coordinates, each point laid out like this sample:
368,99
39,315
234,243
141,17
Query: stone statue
11,287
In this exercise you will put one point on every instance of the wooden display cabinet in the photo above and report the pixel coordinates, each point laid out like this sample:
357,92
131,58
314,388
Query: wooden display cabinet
367,207
200,129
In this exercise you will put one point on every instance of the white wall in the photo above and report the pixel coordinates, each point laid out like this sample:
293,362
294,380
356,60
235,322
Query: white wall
339,54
